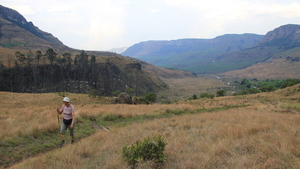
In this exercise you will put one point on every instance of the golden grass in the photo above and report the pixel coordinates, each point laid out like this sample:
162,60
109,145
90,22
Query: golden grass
265,134
23,114
269,70
236,138
184,88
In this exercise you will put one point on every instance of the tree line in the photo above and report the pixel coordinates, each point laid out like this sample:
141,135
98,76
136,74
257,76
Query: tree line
257,86
48,72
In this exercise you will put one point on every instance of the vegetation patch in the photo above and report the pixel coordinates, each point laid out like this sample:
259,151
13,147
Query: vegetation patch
145,150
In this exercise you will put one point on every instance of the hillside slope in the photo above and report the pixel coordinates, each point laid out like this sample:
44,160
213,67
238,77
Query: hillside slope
26,65
277,55
190,54
16,32
257,131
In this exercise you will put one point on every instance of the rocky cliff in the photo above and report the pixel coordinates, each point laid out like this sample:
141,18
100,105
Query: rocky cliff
16,18
290,31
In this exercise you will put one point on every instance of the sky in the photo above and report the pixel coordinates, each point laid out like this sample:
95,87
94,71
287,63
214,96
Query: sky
105,24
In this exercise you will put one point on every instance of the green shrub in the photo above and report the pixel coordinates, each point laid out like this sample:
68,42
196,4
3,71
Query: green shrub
267,88
221,93
253,91
203,95
116,93
150,97
145,150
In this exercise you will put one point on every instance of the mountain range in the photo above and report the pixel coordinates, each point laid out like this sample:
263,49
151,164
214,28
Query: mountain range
25,66
242,53
274,55
190,54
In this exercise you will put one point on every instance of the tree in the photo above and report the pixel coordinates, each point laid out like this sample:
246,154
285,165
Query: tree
221,93
150,97
129,90
38,55
116,93
203,95
253,91
93,59
51,55
245,81
1,66
267,88
21,57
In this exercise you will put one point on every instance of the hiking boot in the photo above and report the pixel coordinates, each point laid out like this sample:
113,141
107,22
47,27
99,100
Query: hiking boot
62,143
72,142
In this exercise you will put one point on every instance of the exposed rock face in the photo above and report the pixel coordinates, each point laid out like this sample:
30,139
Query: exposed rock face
16,18
290,31
11,14
124,98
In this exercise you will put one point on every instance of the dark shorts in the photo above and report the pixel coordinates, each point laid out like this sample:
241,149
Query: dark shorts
64,127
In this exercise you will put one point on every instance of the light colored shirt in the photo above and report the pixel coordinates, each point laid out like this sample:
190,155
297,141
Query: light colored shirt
67,111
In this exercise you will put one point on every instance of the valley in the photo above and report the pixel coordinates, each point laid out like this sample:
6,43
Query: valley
232,131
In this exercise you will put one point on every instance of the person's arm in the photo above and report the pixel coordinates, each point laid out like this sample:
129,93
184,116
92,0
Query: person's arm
59,111
73,119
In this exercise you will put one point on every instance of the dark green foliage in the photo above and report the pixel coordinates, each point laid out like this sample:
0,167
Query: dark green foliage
32,73
256,86
206,95
289,82
116,93
145,150
221,93
129,90
195,97
51,55
267,88
245,81
150,97
253,91
243,92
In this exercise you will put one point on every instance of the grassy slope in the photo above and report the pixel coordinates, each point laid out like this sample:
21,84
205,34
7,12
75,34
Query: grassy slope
277,67
256,131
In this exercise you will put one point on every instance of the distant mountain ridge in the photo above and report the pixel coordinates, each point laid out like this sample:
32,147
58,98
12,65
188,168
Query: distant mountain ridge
31,70
290,32
183,53
230,52
16,18
277,55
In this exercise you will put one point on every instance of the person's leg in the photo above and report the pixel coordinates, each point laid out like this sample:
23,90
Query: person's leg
62,136
62,132
72,134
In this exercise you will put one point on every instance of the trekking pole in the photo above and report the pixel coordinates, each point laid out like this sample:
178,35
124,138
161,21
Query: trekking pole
58,121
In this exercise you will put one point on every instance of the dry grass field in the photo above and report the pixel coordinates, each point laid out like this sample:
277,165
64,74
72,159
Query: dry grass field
254,131
184,88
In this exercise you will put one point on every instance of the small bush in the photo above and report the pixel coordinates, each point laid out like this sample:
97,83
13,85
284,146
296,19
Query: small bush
243,92
203,95
62,94
112,117
146,150
221,93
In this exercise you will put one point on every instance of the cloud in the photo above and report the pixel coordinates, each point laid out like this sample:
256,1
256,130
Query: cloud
105,24
232,16
154,10
90,25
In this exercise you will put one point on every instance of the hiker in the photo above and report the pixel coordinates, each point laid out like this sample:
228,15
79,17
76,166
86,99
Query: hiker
68,111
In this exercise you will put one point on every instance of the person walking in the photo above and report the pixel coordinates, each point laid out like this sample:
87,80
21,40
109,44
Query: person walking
68,121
